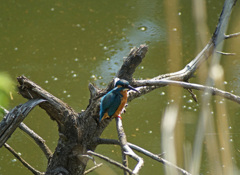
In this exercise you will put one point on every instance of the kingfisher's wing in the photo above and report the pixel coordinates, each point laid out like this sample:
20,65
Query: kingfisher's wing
109,103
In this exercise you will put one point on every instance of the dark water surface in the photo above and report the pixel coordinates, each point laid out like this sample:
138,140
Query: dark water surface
64,45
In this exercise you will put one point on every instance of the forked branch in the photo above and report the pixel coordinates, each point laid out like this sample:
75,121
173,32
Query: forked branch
125,147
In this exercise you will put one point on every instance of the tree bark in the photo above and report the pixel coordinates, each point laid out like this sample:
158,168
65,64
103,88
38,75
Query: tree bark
80,132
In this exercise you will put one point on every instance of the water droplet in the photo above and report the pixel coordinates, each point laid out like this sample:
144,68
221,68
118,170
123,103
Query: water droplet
225,82
150,132
184,96
162,93
229,127
94,77
76,59
14,160
190,101
174,29
179,13
64,91
107,59
143,28
46,81
74,75
55,79
78,25
231,140
190,108
52,9
105,48
68,95
16,49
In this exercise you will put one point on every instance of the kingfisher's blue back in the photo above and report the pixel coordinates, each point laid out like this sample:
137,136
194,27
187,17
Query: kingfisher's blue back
110,102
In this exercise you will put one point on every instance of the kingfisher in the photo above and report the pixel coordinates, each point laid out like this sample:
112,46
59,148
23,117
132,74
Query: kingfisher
115,100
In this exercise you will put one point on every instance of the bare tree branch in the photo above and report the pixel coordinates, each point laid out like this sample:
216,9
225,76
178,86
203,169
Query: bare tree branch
93,168
78,132
131,62
34,171
232,35
145,152
111,161
39,140
53,106
12,120
124,145
212,90
226,54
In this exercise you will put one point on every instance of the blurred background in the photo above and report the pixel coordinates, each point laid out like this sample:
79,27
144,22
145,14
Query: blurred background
64,45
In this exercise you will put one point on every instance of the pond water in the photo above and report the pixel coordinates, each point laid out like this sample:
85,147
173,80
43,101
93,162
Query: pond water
65,45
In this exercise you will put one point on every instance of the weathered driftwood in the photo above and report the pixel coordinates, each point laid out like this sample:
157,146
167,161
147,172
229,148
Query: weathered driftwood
79,133
13,119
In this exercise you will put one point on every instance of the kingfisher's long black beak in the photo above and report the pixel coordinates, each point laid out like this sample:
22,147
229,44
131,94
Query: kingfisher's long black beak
132,88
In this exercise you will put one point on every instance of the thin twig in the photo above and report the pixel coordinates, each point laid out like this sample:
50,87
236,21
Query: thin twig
27,165
145,152
93,168
111,161
38,140
226,54
232,35
212,90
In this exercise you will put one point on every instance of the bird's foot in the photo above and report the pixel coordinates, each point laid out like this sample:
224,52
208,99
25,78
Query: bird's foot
119,116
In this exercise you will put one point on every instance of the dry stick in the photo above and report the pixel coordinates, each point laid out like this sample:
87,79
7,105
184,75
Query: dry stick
231,35
212,90
93,168
226,54
145,152
111,161
124,145
124,161
33,170
39,140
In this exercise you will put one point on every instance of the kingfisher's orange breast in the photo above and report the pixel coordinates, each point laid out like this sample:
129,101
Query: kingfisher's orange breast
122,104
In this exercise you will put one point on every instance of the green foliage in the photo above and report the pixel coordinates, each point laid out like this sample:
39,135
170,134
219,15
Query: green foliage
6,89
